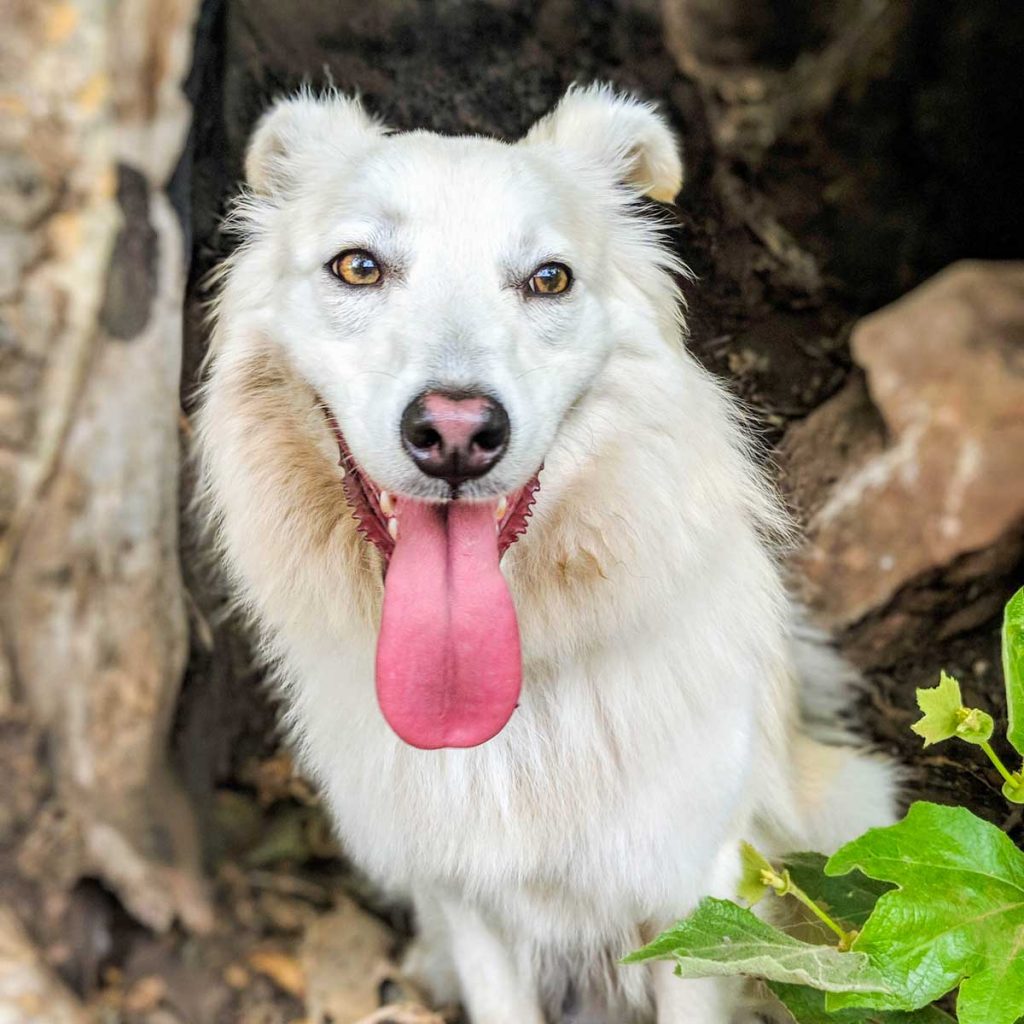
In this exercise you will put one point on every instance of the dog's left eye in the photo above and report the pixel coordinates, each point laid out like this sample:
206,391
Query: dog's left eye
550,279
357,267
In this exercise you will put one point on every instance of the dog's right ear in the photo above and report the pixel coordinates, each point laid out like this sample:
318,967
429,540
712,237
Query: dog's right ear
296,128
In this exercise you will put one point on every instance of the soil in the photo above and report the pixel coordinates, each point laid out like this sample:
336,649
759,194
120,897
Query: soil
907,169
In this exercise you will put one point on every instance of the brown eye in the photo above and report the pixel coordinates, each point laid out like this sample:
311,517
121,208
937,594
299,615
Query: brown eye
550,279
356,266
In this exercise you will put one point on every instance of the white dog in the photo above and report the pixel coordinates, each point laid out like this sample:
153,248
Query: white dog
535,647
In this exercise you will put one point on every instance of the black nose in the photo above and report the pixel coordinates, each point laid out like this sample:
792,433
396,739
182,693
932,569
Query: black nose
455,436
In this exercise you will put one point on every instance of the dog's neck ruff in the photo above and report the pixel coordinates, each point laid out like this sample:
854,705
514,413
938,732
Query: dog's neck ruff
449,668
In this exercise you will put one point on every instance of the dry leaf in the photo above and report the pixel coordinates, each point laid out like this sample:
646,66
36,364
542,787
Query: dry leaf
283,970
237,976
145,994
403,1013
345,955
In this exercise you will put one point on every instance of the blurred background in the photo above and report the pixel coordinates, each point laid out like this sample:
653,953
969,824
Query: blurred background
852,210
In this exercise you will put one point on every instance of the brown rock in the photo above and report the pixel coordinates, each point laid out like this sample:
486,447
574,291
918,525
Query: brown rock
922,460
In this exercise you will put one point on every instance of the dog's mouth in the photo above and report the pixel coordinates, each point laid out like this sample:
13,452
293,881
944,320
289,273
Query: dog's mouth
377,512
448,660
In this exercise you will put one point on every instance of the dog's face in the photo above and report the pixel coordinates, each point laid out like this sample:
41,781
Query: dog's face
448,301
423,265
404,265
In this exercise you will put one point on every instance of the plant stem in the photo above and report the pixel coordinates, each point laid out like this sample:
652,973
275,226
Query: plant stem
997,761
845,938
783,885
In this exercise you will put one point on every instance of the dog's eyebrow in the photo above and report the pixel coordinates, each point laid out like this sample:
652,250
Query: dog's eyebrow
365,227
382,234
522,248
384,228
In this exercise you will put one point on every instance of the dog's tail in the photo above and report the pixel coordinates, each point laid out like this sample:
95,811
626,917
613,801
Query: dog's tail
841,785
828,685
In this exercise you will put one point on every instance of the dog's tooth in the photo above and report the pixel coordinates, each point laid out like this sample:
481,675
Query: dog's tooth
499,512
387,506
393,528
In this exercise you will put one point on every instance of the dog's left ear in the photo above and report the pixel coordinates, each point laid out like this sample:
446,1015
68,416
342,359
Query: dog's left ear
617,131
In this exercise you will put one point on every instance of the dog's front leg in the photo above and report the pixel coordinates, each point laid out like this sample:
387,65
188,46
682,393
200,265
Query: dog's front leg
692,1000
428,961
701,1000
494,988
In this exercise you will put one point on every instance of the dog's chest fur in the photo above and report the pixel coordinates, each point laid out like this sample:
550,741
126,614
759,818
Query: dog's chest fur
618,778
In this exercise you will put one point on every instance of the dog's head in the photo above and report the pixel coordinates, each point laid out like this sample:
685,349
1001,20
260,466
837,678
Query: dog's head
449,301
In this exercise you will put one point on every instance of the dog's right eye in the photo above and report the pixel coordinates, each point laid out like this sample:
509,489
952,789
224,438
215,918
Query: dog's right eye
356,267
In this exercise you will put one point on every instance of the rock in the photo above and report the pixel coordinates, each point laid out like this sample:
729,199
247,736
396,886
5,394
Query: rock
920,462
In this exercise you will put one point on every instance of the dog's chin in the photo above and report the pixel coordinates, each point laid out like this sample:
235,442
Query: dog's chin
378,512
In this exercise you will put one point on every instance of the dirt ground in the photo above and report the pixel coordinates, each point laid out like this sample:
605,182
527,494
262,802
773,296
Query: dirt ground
901,173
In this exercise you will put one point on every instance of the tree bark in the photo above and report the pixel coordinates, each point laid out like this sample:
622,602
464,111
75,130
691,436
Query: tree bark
94,615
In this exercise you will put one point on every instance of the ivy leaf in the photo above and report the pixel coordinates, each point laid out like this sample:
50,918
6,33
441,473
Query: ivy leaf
1013,668
807,1006
945,716
940,705
957,917
722,938
850,898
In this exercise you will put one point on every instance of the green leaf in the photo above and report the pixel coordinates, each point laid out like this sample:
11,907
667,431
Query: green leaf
723,938
956,918
941,705
753,864
1013,668
808,1007
850,898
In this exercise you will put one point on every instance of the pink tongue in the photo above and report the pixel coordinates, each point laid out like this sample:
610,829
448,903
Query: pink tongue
448,664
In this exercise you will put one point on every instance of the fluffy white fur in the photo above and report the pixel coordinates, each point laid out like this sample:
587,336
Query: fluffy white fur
659,720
